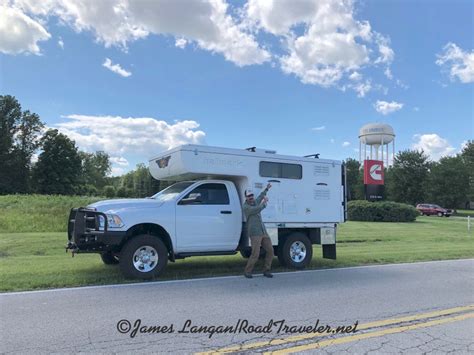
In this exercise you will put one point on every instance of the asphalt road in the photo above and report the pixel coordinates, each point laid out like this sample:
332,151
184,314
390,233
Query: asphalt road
409,308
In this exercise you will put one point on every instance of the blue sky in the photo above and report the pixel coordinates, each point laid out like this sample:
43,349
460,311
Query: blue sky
287,75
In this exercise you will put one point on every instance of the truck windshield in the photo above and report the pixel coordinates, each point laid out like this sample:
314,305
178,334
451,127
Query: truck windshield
172,191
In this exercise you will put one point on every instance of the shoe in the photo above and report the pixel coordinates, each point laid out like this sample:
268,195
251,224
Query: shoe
268,274
248,275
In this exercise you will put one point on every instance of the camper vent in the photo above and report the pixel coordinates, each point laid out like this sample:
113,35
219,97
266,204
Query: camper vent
321,195
321,170
257,150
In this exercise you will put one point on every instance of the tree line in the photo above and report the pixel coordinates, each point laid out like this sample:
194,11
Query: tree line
61,168
414,179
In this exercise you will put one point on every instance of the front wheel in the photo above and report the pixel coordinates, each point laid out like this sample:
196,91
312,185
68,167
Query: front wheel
143,257
440,214
109,258
296,251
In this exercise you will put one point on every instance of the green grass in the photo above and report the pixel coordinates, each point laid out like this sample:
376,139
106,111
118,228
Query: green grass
39,213
464,213
37,260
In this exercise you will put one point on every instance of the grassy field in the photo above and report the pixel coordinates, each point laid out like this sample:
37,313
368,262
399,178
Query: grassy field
38,260
38,213
464,213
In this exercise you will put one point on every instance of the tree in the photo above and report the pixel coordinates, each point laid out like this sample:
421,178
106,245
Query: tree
448,182
58,170
467,155
95,168
19,131
355,186
109,191
407,177
138,183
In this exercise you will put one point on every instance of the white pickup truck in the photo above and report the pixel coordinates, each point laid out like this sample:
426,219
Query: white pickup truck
201,214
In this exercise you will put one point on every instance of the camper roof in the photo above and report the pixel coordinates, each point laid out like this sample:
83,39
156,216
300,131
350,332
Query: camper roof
250,152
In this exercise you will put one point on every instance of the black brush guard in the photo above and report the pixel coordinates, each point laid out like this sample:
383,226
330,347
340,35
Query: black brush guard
84,231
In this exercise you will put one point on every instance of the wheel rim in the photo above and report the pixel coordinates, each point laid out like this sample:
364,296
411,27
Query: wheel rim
145,258
298,251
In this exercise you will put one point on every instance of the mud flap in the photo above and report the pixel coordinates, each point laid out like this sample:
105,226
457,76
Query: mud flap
329,251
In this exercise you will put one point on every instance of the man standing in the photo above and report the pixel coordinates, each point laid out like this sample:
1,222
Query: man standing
257,232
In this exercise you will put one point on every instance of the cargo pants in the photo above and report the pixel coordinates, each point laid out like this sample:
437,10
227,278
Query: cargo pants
256,242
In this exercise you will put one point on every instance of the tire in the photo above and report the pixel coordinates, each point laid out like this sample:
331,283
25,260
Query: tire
109,258
151,250
440,214
299,243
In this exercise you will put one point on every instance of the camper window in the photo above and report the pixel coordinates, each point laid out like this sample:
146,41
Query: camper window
280,170
208,194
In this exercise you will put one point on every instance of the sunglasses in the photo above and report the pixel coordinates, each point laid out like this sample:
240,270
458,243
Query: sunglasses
249,196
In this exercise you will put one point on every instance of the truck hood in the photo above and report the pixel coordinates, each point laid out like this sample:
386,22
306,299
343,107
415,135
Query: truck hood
116,206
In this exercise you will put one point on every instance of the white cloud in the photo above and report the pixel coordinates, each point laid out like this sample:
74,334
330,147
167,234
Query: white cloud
459,62
355,76
119,135
205,22
122,136
61,43
386,54
19,33
433,145
333,44
180,43
346,144
319,41
116,68
119,161
117,171
386,108
320,128
416,109
332,140
362,88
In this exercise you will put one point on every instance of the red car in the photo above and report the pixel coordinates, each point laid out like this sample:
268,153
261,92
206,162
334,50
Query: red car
429,209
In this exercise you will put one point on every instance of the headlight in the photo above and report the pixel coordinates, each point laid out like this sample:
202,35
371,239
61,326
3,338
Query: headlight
113,221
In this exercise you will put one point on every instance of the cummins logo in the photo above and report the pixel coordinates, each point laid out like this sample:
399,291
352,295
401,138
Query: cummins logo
376,172
373,172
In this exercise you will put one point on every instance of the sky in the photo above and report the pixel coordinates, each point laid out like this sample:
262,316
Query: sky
136,77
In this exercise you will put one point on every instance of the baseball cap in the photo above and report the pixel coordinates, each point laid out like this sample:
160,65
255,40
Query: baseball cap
248,192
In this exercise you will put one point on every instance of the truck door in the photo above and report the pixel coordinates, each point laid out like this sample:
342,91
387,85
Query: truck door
207,219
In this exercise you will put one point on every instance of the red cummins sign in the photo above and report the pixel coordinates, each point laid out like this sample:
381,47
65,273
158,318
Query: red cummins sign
373,172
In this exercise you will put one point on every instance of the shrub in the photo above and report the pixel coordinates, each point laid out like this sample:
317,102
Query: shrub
109,191
383,211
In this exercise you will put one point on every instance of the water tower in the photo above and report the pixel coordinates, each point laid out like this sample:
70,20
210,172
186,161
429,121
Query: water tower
377,136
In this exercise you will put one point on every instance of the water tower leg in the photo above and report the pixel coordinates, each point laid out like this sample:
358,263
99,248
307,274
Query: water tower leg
393,152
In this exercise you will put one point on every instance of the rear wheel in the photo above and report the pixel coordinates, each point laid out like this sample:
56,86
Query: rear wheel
143,257
296,251
109,258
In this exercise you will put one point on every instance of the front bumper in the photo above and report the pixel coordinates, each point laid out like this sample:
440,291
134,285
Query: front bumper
86,235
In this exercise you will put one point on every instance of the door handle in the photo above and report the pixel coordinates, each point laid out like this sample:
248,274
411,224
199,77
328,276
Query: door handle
226,212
